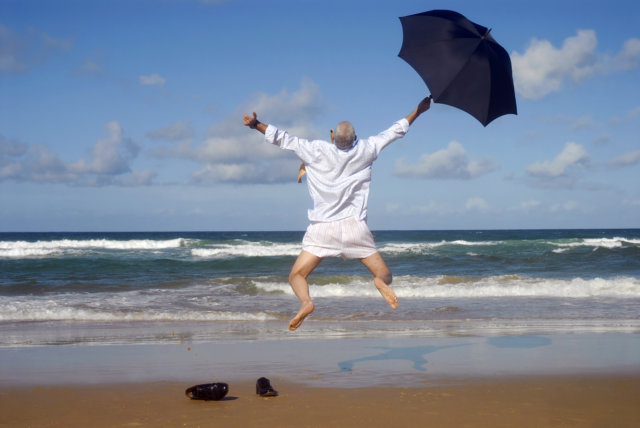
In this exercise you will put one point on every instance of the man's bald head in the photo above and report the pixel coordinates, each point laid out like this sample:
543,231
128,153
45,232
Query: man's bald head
344,136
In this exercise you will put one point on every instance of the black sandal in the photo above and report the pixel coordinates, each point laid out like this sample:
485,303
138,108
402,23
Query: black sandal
208,391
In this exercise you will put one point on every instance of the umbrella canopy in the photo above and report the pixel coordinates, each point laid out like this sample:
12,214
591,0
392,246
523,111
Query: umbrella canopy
461,63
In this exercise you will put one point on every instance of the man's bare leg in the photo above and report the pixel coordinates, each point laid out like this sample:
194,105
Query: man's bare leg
302,268
381,277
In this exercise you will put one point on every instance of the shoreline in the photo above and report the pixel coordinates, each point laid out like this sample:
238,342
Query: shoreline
337,362
575,380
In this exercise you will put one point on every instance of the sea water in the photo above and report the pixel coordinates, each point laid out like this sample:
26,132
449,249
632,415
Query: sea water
126,288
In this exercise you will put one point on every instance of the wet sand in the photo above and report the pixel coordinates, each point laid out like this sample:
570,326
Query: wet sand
504,402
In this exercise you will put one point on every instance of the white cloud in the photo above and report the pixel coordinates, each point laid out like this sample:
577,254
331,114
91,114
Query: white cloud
567,206
450,163
626,159
527,206
477,204
583,122
20,52
602,140
110,156
573,123
543,68
54,43
11,51
136,178
573,155
628,58
296,111
89,67
109,163
431,207
631,116
174,132
11,148
236,154
152,80
392,208
248,172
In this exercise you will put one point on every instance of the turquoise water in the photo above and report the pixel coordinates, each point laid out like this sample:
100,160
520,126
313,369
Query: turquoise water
131,287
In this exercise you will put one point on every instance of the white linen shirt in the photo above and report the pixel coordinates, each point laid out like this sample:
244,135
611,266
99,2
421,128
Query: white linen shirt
338,180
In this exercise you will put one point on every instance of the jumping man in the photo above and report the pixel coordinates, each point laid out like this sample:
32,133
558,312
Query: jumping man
338,177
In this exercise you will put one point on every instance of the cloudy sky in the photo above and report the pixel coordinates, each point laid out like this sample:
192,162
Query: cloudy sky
127,115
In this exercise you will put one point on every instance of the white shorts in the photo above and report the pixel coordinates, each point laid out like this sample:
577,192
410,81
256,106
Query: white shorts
349,238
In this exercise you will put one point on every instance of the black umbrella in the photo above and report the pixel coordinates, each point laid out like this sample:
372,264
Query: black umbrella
462,65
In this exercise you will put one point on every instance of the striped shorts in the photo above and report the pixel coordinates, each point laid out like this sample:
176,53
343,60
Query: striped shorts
349,238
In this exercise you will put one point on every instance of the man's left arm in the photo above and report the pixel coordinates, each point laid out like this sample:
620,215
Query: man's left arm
421,108
400,128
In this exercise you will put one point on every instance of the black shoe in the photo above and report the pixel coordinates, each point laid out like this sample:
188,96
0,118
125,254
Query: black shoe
208,391
264,388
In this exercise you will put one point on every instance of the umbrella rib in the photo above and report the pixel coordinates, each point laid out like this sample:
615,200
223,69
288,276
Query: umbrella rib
485,114
466,62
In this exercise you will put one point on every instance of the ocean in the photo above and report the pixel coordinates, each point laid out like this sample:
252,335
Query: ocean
190,287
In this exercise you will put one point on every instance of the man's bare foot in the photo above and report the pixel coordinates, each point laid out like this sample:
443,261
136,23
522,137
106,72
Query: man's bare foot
388,294
305,309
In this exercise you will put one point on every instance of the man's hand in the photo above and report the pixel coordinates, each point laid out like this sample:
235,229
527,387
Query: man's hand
253,122
422,107
250,121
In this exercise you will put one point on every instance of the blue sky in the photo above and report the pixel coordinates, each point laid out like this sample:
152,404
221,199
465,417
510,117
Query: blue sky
127,115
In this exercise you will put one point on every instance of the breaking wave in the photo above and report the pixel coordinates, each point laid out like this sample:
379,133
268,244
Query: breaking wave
468,287
21,249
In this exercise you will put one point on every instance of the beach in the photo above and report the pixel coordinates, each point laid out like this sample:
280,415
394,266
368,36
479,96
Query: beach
494,328
582,380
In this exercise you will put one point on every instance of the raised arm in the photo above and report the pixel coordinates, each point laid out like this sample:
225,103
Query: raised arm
421,108
253,123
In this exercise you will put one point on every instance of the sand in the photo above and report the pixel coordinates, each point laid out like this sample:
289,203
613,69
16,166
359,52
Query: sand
505,402
574,380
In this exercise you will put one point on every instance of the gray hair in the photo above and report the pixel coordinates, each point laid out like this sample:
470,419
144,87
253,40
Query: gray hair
345,135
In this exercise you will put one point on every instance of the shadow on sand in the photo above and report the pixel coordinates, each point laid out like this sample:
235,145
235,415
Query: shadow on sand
415,354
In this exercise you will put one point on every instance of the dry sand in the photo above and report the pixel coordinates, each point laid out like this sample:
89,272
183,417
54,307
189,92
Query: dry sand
572,401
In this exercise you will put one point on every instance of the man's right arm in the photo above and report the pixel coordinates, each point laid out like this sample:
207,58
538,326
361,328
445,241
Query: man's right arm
253,123
280,138
421,108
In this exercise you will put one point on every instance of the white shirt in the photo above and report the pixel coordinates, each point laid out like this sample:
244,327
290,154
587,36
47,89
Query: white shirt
338,180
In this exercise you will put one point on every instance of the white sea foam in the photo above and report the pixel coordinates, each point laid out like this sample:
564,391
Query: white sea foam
20,253
616,242
421,247
526,287
460,287
247,249
18,249
223,302
67,308
72,314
